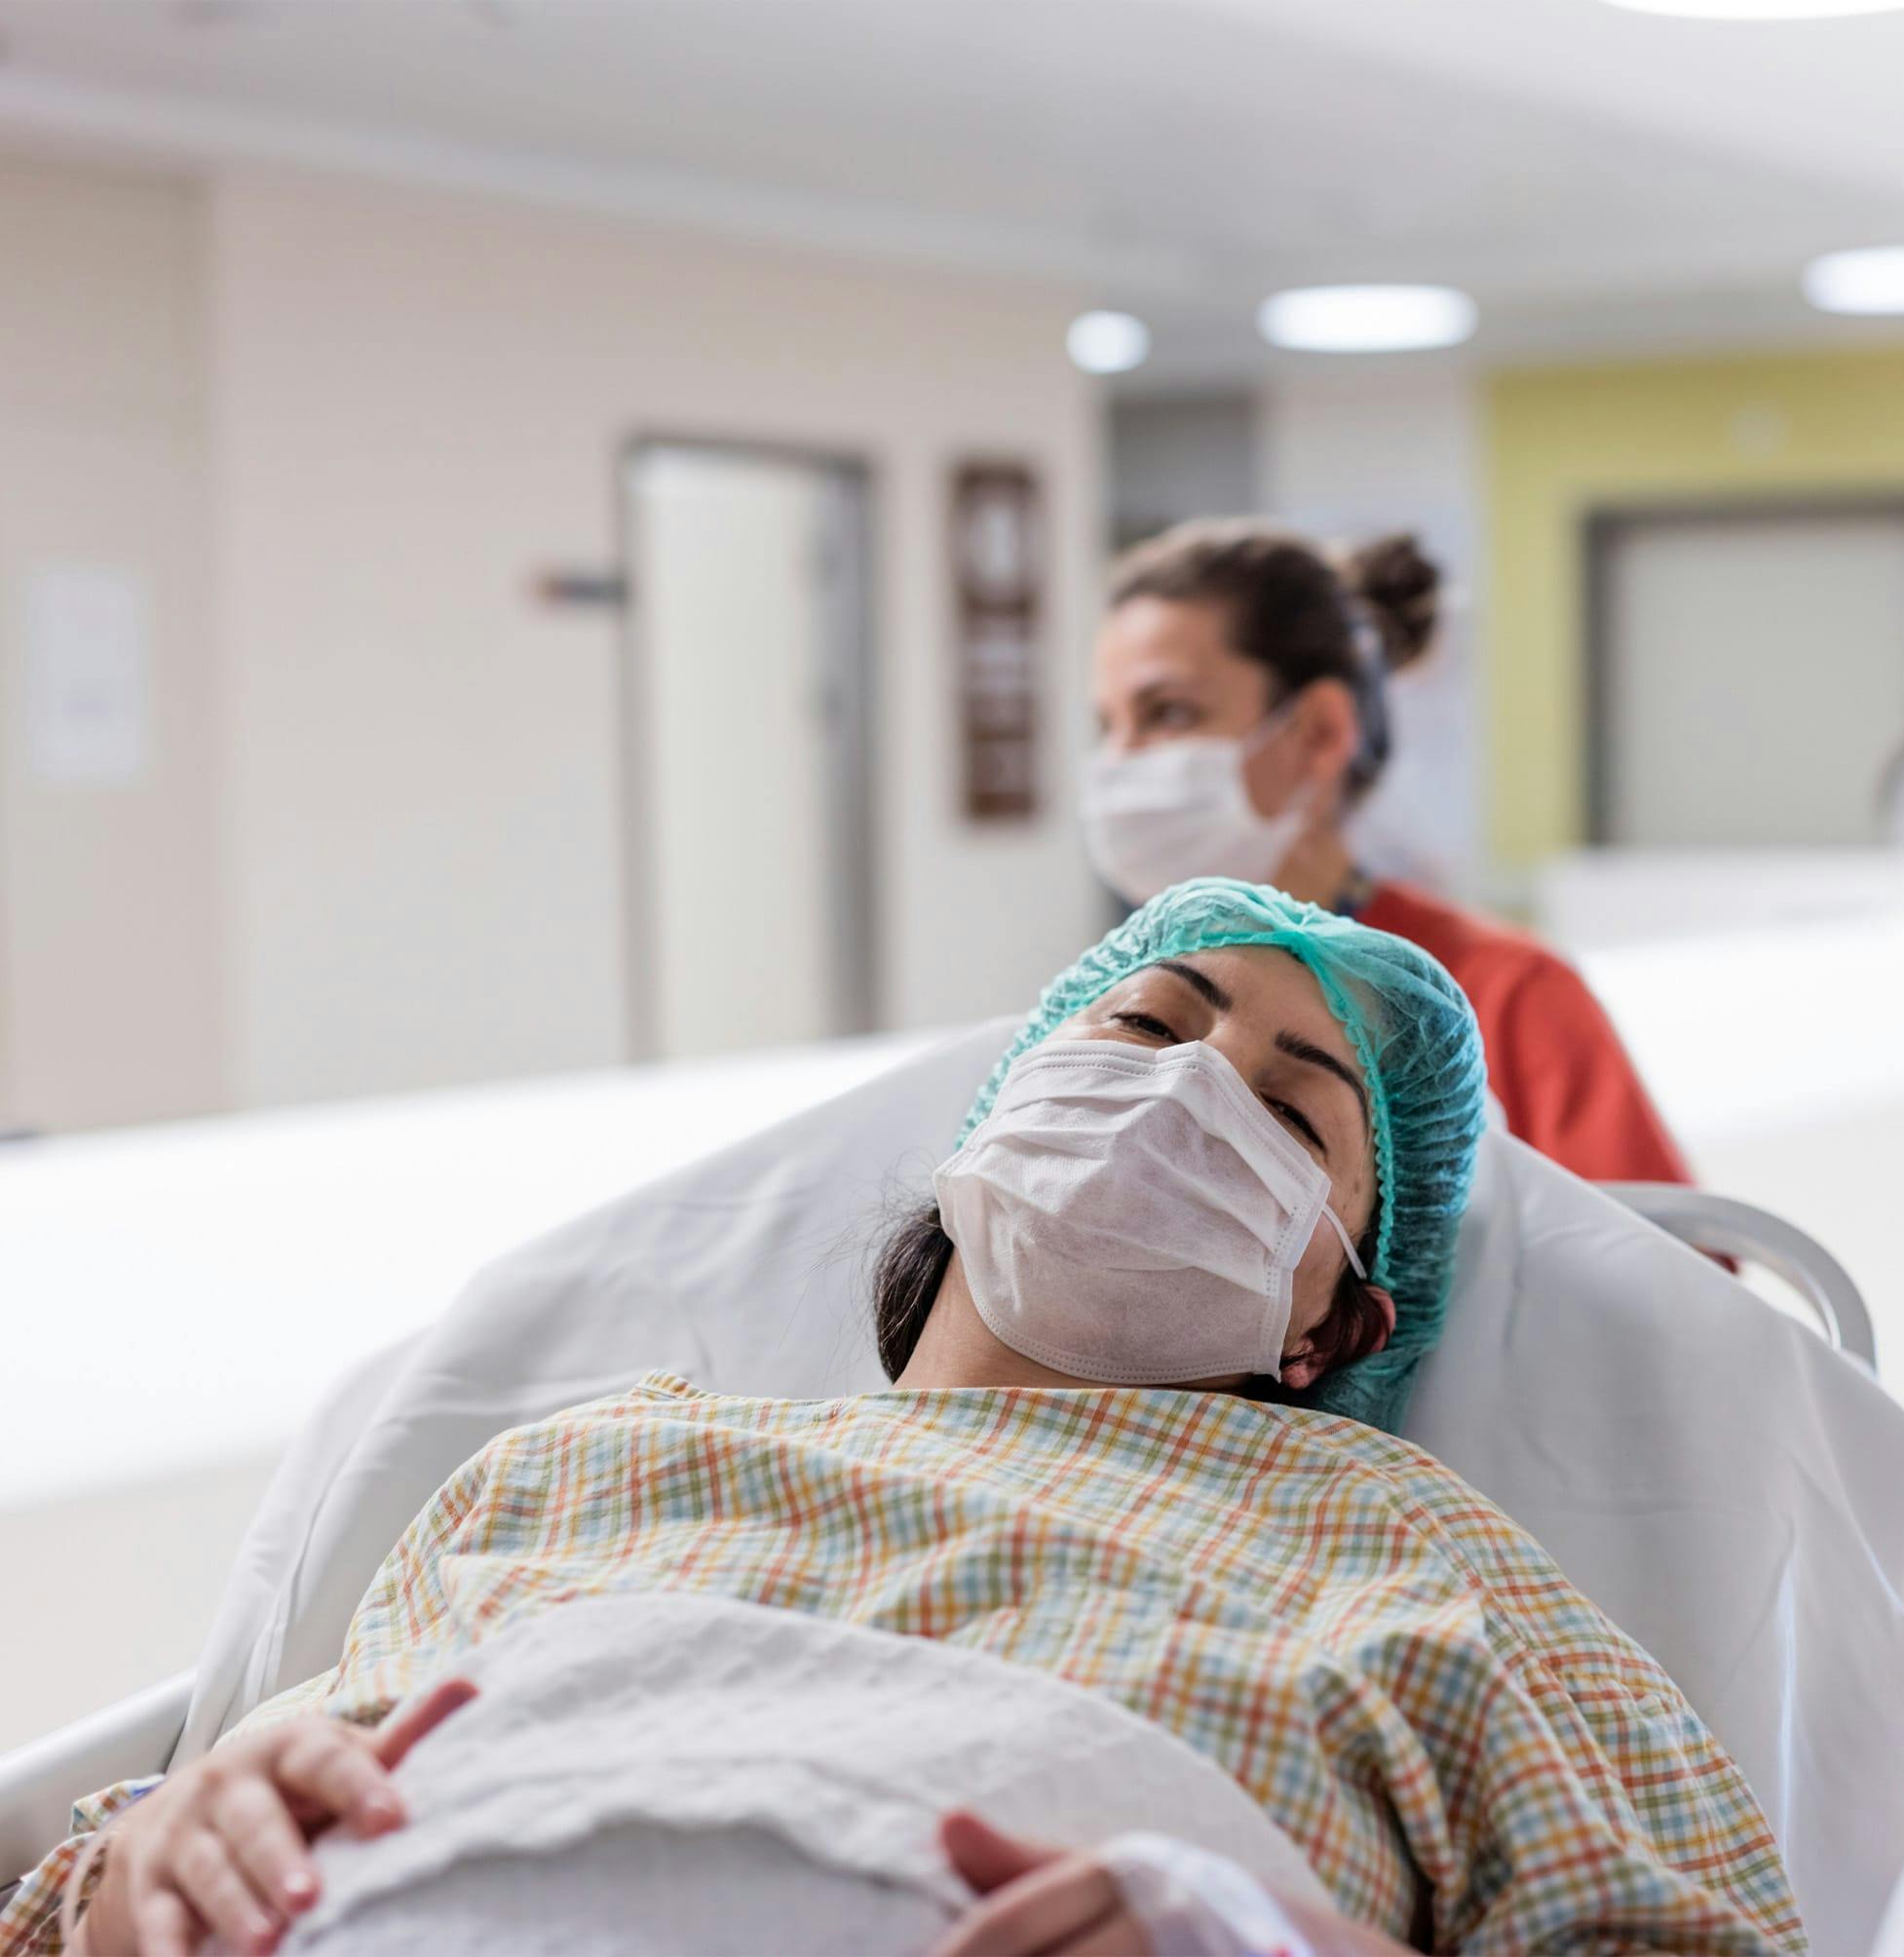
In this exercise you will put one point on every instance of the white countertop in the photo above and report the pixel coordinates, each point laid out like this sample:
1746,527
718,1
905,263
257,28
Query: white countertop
182,1294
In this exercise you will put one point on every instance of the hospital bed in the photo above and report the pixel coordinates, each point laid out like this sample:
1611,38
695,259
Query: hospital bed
1712,1473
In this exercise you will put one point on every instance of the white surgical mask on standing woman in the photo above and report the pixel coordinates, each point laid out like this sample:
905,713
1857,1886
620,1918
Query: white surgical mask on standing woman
1179,809
1134,1215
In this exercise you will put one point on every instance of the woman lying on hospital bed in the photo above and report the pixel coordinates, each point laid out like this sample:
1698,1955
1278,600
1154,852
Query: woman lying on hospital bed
1119,1625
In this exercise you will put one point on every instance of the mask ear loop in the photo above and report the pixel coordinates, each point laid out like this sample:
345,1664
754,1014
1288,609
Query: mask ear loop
1348,1243
1269,726
1279,716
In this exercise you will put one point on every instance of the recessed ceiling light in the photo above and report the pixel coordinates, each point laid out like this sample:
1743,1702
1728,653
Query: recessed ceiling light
1108,342
1759,10
1367,319
1858,282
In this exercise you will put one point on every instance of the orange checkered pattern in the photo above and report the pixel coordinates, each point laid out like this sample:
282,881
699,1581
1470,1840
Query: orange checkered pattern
1402,1678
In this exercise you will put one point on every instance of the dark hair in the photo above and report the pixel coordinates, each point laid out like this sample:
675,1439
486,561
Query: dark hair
911,1267
1305,614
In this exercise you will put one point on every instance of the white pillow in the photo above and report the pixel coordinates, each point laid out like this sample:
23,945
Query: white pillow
1705,1469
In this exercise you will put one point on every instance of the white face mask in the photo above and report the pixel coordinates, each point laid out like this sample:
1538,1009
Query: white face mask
1180,809
1134,1215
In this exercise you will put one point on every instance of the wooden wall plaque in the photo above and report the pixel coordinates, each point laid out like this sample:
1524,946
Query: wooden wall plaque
998,579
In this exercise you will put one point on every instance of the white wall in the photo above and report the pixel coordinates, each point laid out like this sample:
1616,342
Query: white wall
332,430
1348,449
126,1582
419,401
1177,456
109,948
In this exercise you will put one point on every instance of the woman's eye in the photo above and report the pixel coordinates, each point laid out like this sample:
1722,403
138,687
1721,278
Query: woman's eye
1296,1119
1174,714
1146,1022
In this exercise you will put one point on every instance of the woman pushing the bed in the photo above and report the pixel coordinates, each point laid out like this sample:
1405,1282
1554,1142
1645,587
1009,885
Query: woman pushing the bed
1119,1623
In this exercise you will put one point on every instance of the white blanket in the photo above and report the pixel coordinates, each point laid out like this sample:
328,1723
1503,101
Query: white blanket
745,1734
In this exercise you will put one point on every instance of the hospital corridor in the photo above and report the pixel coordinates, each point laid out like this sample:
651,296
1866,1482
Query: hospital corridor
951,976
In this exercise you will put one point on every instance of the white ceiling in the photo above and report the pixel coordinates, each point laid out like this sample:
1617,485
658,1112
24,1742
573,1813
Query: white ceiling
1597,177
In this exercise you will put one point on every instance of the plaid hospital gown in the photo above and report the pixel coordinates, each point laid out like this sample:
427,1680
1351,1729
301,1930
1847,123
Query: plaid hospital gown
1459,1742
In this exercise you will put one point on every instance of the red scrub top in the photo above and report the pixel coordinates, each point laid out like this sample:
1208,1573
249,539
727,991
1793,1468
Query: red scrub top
1555,1060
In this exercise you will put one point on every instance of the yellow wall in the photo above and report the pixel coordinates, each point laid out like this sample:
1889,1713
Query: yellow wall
1564,442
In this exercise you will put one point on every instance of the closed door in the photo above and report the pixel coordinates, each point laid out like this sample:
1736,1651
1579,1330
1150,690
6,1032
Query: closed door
749,869
1750,673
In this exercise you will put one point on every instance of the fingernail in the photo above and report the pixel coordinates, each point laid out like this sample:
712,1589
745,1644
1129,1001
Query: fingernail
300,1889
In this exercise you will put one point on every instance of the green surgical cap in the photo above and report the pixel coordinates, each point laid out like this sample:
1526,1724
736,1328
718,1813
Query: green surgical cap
1421,1056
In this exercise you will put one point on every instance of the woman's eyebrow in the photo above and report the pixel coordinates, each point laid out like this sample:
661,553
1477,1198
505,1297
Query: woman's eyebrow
1209,989
1164,687
1299,1048
1292,1044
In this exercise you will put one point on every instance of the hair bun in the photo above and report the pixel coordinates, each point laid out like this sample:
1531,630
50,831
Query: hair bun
1402,587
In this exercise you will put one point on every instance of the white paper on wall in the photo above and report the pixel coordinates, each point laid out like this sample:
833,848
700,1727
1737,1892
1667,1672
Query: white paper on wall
87,645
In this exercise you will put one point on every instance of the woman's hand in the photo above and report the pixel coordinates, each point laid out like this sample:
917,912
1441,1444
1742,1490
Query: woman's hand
1057,1903
223,1846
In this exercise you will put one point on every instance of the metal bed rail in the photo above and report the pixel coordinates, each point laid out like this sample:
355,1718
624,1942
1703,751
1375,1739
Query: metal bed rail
1729,1228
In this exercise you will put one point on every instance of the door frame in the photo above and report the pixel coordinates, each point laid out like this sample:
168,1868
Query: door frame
852,940
1602,529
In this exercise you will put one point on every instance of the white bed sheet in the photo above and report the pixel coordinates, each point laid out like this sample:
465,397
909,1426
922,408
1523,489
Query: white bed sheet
1705,1467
